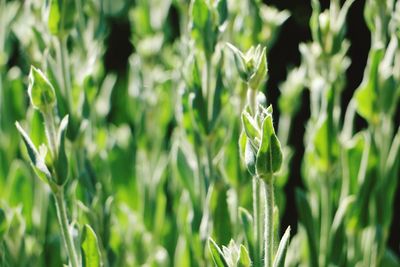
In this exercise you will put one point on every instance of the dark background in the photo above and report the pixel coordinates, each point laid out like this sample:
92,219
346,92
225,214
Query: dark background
282,55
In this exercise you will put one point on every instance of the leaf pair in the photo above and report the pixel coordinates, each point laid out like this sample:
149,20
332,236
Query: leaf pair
60,174
260,146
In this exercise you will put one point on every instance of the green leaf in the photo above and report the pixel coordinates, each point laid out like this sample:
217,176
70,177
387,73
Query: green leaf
249,126
200,14
41,91
61,164
337,242
222,8
386,189
90,248
202,26
259,76
269,155
306,218
186,173
324,143
54,17
366,95
240,62
352,156
199,108
36,160
247,222
280,256
216,254
222,228
61,16
244,259
390,259
250,157
182,252
3,223
341,212
217,99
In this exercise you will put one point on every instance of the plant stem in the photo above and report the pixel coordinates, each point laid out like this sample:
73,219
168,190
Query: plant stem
251,99
64,225
257,215
209,94
209,99
51,132
269,222
325,223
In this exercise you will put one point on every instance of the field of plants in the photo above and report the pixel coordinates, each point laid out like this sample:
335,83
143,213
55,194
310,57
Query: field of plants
193,141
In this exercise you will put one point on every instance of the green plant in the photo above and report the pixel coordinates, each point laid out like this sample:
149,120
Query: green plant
261,151
150,131
53,168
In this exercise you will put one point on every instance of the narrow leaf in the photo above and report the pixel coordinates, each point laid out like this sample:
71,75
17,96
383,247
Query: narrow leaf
216,254
306,219
61,163
90,248
37,162
280,256
244,259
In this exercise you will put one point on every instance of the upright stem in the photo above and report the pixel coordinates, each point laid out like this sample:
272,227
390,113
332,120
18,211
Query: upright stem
325,222
209,95
269,222
64,225
51,132
208,87
257,215
1,96
251,99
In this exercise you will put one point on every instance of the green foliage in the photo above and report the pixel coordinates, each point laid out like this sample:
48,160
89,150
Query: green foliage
176,159
90,248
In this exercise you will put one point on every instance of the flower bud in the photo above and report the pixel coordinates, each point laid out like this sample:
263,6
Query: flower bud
41,92
252,66
260,146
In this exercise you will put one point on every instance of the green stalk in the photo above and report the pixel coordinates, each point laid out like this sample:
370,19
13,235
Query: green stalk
257,215
325,223
251,99
269,222
51,132
1,96
208,88
209,99
64,225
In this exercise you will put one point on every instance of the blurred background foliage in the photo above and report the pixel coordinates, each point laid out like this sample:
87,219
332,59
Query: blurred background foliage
154,102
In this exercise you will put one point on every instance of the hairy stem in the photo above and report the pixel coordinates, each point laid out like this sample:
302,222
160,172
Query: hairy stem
325,223
50,126
64,225
257,225
251,99
269,223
